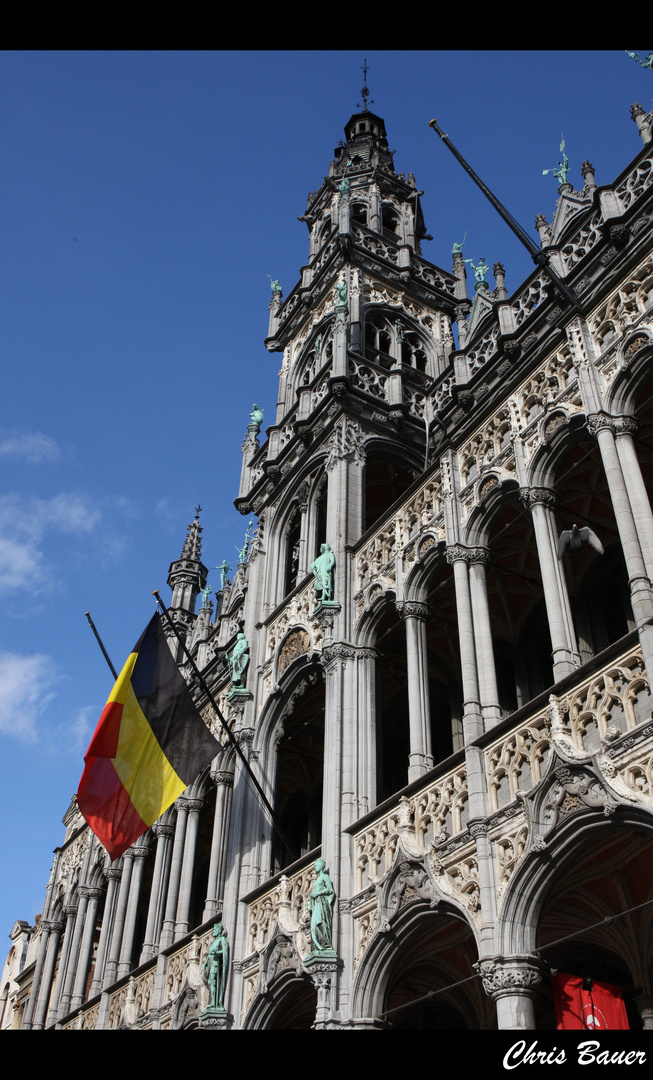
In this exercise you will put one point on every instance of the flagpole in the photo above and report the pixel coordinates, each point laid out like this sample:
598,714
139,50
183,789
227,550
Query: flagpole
229,732
540,257
99,641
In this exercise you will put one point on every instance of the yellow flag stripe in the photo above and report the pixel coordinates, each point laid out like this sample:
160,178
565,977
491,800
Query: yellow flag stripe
144,770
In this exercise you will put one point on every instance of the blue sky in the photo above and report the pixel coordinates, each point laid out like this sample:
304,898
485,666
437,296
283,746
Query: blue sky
144,199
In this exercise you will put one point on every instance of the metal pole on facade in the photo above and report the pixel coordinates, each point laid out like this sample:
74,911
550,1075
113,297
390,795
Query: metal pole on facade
540,257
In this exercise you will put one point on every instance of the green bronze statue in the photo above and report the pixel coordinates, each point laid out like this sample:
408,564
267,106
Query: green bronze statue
320,908
217,965
238,660
242,552
563,166
479,271
323,570
224,569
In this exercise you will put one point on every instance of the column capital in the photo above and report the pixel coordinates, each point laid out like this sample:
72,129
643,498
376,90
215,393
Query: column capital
91,892
413,609
161,829
470,555
506,975
539,496
601,421
222,776
52,927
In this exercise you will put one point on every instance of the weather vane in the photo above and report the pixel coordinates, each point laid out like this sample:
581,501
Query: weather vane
563,166
365,92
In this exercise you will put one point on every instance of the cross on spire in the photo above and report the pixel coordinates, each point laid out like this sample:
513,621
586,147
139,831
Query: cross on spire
365,92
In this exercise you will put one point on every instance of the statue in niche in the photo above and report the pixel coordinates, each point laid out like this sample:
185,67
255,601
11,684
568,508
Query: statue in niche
217,965
320,908
238,660
341,294
323,570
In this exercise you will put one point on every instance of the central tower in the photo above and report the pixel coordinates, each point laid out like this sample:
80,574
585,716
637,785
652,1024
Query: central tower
365,334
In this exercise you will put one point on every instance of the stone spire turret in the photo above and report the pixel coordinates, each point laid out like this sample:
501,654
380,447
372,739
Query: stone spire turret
187,575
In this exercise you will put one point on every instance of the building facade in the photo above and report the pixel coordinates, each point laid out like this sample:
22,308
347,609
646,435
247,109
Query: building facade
440,685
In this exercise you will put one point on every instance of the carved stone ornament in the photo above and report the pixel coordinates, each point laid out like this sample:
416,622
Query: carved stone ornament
566,790
297,643
502,976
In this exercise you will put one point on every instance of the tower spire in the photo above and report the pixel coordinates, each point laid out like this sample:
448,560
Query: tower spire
187,575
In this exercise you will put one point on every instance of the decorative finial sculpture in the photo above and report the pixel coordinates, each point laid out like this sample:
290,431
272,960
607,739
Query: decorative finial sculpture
479,271
242,552
574,540
320,908
237,661
323,570
365,92
255,419
648,63
224,569
206,592
275,285
217,968
457,248
563,166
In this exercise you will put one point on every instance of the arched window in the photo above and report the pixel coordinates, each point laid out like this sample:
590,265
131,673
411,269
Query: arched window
390,222
378,341
359,213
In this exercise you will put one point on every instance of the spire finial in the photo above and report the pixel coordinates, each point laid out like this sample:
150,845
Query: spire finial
365,92
192,548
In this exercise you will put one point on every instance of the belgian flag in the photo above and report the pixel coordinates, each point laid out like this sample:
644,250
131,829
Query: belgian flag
149,745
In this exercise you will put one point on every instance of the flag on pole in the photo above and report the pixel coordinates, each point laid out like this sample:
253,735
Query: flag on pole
149,745
582,1004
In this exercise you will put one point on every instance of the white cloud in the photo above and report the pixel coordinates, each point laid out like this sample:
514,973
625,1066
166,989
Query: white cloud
33,446
27,685
23,522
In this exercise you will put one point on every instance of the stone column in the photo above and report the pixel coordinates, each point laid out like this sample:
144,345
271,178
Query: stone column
182,926
224,783
604,428
164,834
513,982
111,970
138,855
625,431
420,758
45,985
458,557
479,559
473,726
70,912
113,875
86,947
38,972
71,967
168,929
566,658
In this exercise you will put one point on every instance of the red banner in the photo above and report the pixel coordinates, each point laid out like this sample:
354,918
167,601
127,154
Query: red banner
582,1004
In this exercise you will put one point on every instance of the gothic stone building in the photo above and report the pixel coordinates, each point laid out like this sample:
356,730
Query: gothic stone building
462,730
